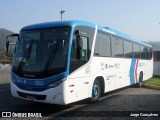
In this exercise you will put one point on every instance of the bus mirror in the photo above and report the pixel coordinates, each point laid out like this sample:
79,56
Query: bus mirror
80,42
77,33
10,43
7,46
78,38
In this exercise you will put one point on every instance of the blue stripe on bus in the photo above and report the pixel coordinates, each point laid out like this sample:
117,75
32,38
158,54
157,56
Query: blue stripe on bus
131,71
37,82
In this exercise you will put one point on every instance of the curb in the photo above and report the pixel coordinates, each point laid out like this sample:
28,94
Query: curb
151,86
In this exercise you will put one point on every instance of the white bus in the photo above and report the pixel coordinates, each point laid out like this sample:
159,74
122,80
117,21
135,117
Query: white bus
156,63
64,62
156,57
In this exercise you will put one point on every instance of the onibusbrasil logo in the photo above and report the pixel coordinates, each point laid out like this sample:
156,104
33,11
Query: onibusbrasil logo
20,115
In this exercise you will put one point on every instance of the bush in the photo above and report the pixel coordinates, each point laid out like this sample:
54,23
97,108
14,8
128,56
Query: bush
2,54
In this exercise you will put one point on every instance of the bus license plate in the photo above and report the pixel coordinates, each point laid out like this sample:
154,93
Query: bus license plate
31,97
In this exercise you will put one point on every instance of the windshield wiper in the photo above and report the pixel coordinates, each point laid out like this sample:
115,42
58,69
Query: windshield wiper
25,56
51,56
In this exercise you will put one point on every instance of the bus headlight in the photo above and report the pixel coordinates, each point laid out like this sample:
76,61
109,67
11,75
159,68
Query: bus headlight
57,83
13,80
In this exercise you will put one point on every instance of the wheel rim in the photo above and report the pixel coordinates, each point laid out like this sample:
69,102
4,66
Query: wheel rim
95,90
140,84
140,80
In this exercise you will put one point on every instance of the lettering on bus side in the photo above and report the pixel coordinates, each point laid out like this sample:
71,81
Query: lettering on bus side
110,76
107,66
141,64
117,65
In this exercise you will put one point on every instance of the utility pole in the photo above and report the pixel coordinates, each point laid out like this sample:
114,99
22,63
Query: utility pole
61,12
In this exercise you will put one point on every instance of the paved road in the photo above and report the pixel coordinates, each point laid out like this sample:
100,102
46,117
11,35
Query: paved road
135,100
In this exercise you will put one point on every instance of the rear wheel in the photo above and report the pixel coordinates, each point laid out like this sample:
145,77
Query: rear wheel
96,91
140,80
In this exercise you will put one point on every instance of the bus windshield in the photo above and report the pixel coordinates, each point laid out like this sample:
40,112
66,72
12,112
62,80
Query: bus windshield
41,52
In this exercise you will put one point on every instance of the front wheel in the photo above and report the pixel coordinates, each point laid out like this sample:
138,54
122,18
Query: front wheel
96,91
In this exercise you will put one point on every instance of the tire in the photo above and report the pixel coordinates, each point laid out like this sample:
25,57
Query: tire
96,91
140,80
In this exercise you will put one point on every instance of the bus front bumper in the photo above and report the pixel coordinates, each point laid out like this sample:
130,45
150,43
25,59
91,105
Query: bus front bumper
52,95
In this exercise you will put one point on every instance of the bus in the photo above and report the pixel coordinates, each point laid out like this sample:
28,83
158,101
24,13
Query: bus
67,61
156,63
156,58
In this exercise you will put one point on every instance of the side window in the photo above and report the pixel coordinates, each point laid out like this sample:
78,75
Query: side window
128,49
136,51
143,56
147,53
150,53
84,51
117,47
102,45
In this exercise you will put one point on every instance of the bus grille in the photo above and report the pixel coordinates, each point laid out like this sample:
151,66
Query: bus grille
37,97
32,88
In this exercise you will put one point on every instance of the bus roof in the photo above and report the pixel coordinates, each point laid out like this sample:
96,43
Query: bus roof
79,22
58,24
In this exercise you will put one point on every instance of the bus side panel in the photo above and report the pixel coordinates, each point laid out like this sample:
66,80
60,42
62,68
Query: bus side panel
149,69
120,72
124,78
115,71
79,81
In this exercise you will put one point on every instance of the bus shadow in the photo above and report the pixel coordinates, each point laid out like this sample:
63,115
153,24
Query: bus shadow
12,104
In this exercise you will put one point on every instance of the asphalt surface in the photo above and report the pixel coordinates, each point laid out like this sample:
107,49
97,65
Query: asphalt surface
115,105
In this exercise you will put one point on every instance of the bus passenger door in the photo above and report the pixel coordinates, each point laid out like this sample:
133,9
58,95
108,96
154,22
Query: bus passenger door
79,66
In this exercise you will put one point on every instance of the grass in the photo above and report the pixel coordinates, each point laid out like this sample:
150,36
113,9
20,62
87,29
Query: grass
153,81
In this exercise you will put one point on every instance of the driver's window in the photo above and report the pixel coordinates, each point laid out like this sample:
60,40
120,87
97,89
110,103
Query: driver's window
79,53
84,49
80,49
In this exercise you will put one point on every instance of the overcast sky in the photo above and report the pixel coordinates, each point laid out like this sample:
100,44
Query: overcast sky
137,18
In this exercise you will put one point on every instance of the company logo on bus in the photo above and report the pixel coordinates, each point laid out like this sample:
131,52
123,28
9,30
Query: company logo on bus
107,66
26,75
20,81
141,64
